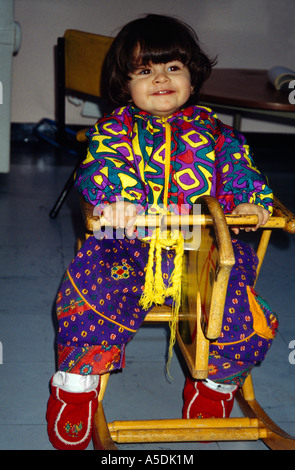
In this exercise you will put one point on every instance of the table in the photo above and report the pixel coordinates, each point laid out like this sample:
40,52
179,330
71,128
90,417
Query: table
245,91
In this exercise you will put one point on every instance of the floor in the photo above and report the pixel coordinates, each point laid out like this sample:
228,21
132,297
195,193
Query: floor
35,250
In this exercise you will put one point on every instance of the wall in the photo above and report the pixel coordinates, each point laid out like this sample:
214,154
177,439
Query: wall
245,34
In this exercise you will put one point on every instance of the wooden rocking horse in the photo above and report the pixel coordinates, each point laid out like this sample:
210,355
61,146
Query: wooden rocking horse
206,269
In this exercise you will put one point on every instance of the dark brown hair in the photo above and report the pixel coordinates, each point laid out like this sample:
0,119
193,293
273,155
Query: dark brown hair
159,39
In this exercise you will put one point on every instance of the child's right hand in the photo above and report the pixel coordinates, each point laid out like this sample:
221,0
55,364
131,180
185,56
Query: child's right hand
121,214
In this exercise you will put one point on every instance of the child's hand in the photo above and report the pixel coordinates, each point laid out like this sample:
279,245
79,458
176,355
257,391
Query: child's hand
247,209
121,214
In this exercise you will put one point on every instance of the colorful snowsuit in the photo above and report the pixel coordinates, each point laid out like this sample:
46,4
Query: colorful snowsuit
151,161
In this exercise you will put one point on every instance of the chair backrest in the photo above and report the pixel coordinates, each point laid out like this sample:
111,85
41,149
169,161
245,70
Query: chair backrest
80,58
84,55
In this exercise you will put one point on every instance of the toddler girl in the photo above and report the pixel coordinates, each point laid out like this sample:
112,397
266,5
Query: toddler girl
158,148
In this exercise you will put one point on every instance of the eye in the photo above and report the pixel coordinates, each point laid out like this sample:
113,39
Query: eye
145,71
173,68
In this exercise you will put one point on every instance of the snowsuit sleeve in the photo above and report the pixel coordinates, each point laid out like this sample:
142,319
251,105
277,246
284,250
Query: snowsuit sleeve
110,172
238,180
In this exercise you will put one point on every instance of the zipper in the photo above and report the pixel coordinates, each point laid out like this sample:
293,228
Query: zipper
167,160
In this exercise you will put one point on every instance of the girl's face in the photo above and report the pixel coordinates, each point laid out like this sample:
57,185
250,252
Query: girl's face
160,89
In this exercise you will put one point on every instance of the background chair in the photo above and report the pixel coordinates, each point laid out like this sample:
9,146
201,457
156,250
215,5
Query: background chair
79,62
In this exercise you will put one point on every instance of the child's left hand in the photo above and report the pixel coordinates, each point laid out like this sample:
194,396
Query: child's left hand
247,209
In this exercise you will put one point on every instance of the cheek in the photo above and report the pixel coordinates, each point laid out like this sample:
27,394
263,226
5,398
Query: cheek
137,92
186,85
188,89
132,88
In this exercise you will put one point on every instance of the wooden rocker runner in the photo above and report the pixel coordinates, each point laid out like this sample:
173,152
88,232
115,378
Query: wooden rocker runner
199,322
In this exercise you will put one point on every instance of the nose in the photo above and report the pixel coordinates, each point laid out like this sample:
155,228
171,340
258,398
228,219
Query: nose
161,77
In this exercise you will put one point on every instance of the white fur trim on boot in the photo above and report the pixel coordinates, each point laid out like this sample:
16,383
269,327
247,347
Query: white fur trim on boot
222,388
75,383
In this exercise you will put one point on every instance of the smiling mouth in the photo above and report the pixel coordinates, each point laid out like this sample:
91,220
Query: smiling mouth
163,92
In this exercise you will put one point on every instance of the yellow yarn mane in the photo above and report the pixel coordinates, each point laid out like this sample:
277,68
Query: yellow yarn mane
155,290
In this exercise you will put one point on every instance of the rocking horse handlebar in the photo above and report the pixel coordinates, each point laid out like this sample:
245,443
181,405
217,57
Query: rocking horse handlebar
174,221
282,218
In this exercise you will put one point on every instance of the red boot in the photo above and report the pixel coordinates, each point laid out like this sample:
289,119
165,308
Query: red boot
70,417
202,401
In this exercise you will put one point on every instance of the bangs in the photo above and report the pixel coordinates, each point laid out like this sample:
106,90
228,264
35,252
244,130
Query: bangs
158,52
